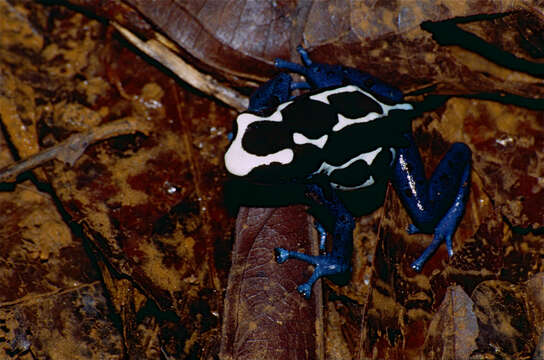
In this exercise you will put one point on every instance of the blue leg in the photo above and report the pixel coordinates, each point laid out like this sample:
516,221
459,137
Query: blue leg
435,205
272,93
300,85
322,235
320,75
335,264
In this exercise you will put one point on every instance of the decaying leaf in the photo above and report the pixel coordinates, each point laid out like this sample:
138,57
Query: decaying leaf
149,205
453,330
265,317
51,299
503,319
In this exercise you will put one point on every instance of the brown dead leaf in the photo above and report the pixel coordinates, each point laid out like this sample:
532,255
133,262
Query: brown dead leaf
152,205
453,330
51,300
504,321
265,317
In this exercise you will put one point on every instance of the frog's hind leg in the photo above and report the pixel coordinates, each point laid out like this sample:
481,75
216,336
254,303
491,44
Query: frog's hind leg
435,205
336,264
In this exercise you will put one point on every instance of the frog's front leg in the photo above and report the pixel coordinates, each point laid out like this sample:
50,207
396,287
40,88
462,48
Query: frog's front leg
436,205
335,264
272,93
320,75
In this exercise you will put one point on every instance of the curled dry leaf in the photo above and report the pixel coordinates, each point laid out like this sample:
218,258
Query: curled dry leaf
240,38
186,72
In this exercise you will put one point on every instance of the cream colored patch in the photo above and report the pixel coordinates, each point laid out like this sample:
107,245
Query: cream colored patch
238,161
300,139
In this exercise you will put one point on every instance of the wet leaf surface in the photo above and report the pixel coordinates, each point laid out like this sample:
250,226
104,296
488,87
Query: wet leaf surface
142,220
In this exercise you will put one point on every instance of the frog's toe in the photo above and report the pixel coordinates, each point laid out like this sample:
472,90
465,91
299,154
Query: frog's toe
429,251
281,255
449,245
416,266
305,290
412,229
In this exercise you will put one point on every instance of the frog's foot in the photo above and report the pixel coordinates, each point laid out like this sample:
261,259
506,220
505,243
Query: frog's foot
336,264
444,230
294,67
437,240
325,265
413,229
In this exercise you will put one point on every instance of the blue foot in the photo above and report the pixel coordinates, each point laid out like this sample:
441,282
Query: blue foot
325,265
318,75
305,290
336,264
282,255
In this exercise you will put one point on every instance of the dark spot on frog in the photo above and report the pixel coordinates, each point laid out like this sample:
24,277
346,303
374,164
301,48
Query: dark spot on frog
369,83
444,179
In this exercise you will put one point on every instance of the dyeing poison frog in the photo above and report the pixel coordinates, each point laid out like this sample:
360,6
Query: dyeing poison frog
335,147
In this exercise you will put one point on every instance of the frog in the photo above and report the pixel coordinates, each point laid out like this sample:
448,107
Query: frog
334,141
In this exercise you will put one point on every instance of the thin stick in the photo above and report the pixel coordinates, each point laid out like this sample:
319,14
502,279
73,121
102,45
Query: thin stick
73,147
185,71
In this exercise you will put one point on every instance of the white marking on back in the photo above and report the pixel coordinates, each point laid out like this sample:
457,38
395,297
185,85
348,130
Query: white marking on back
323,96
393,154
300,139
343,121
369,182
238,161
366,157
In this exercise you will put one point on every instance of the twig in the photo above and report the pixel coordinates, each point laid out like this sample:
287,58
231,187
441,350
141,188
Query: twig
73,147
186,72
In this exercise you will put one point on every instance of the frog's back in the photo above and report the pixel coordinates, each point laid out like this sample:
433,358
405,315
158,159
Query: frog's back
342,132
